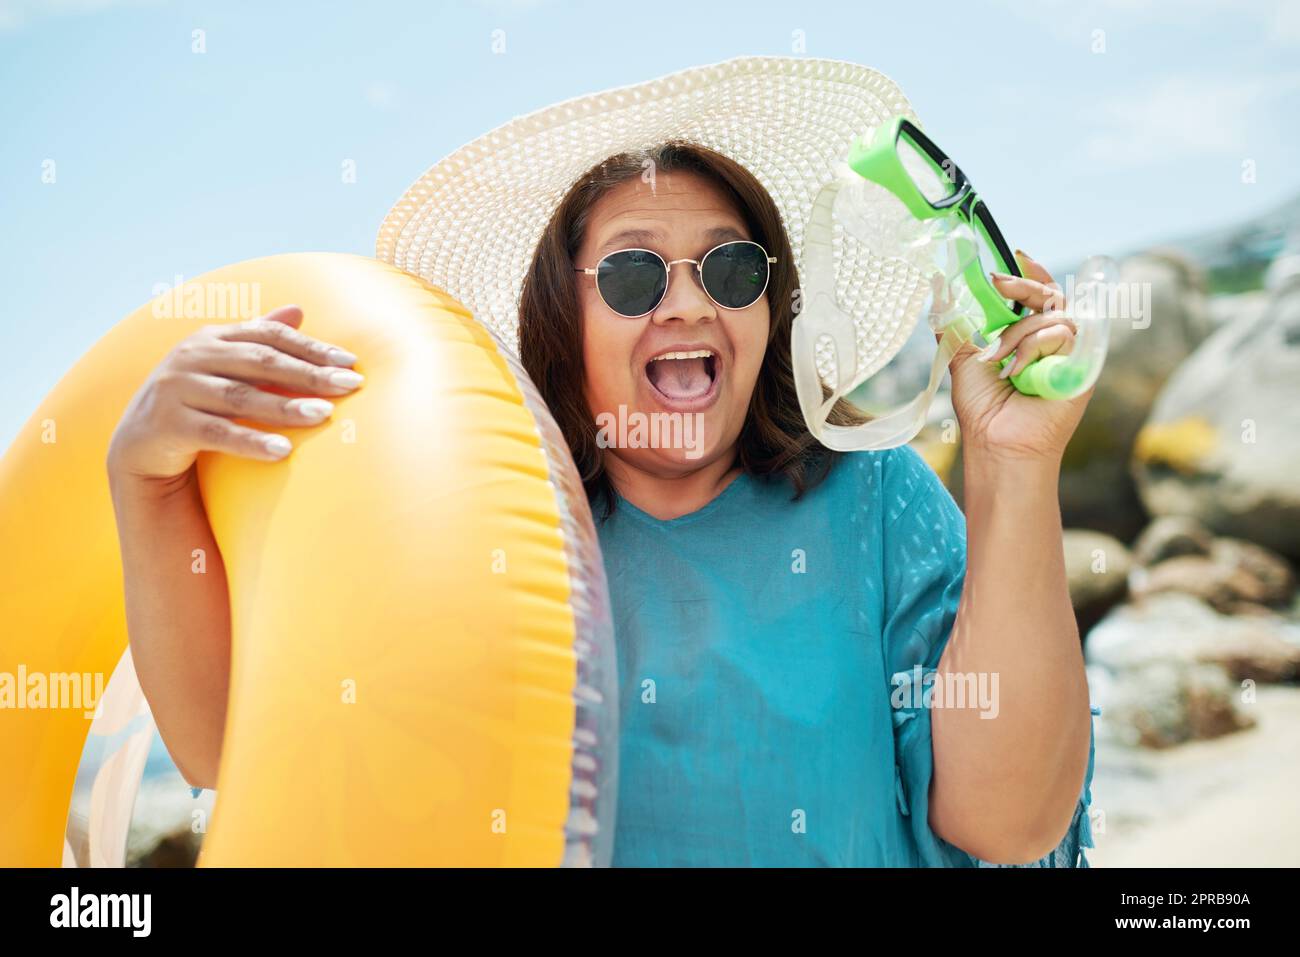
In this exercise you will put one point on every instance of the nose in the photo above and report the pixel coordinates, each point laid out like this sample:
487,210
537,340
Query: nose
685,298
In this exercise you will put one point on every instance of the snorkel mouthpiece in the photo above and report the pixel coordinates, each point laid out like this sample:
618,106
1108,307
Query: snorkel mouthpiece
1064,377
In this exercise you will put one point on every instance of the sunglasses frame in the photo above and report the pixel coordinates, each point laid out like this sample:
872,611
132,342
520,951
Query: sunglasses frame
880,162
668,274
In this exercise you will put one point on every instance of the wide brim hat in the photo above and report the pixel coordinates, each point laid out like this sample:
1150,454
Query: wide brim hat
471,223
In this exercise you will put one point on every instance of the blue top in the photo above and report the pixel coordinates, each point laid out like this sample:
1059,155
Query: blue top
757,638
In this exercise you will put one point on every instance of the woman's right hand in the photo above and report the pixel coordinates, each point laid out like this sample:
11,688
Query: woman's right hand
211,377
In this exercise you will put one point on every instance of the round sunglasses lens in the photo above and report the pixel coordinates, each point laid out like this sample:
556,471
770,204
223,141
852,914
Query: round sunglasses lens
632,281
735,274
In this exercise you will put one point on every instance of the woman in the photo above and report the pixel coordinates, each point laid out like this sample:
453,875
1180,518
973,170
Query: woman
766,592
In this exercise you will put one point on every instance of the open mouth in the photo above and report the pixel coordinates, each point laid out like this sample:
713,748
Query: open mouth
684,379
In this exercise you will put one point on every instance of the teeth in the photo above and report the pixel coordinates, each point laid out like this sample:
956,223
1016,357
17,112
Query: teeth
697,354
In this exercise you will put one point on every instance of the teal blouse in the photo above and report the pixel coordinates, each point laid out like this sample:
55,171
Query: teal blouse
758,640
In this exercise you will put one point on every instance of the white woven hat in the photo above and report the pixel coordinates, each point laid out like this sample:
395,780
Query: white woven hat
471,223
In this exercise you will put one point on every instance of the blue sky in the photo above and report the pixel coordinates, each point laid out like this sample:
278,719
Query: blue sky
173,162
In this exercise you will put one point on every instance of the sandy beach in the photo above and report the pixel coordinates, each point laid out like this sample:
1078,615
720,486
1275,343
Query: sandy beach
1229,802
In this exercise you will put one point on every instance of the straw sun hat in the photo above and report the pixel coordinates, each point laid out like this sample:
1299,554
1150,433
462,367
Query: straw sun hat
471,223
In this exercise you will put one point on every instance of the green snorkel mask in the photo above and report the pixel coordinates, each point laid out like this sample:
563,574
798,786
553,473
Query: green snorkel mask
902,197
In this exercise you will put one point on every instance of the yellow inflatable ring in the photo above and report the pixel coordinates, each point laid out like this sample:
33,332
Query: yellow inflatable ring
422,657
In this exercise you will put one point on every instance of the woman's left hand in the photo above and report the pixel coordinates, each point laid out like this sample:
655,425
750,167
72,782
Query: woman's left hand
994,417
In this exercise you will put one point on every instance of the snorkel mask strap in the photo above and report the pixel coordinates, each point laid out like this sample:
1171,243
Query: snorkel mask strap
901,424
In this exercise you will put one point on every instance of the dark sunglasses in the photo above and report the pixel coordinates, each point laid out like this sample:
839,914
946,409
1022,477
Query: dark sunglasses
633,282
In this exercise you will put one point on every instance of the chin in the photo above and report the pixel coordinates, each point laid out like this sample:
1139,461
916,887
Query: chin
667,463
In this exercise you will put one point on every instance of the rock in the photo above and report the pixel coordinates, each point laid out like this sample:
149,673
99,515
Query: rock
177,849
1097,488
162,830
1170,669
1180,629
1233,576
1222,587
1211,703
1180,318
1237,307
1166,703
1096,570
1271,572
1221,445
1169,537
1284,270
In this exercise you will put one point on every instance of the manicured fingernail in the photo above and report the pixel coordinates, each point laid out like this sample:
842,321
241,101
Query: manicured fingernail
988,352
1006,369
312,408
277,445
339,357
999,275
346,379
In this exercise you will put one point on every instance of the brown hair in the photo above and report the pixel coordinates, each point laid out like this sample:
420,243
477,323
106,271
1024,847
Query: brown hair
774,440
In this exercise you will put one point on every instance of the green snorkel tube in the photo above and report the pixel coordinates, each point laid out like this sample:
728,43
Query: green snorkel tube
906,162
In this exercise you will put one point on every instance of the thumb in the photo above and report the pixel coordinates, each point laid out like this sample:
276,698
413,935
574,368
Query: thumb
289,315
968,349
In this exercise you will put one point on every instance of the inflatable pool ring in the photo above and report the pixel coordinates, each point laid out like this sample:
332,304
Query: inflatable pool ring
422,664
